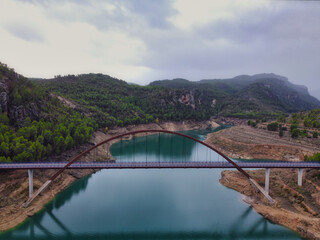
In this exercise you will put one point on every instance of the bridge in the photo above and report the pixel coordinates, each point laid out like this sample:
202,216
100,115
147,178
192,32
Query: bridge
147,165
112,164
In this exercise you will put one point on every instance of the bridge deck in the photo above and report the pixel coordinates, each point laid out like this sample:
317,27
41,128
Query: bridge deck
132,165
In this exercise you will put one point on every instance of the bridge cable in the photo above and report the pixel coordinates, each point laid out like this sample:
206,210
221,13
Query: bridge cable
184,149
206,154
194,155
134,148
159,146
121,149
146,148
171,148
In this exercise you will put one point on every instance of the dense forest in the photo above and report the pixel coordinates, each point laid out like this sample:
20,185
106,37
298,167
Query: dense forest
35,125
114,102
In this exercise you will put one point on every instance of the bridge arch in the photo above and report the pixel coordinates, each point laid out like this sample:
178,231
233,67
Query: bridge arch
47,183
149,131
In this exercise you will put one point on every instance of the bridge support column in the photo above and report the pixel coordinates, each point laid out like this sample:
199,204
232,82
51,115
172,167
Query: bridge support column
30,173
267,180
300,173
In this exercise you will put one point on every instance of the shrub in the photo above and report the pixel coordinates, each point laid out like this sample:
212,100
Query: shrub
273,126
295,133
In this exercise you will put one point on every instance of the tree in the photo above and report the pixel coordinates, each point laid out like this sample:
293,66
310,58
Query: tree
4,118
295,133
280,131
281,119
68,142
272,126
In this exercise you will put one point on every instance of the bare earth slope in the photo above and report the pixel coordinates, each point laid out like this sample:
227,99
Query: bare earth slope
253,143
297,208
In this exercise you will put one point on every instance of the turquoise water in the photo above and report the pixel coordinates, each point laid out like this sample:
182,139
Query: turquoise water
150,204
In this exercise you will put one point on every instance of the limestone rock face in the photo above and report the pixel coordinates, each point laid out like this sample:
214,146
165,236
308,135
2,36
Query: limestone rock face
16,113
4,94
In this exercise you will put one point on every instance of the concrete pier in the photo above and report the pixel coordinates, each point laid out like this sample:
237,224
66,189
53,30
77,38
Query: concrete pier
267,180
30,173
300,173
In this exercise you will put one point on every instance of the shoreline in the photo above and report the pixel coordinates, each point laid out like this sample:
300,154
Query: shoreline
292,208
14,183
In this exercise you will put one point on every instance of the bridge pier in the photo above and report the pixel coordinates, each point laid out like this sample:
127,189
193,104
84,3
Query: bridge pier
30,174
267,180
300,173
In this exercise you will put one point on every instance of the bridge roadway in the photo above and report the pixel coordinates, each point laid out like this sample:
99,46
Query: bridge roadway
144,165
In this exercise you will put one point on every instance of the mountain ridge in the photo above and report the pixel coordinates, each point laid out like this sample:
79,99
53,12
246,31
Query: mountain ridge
284,95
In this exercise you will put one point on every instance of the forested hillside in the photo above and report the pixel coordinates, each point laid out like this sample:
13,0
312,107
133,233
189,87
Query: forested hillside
251,96
114,102
33,124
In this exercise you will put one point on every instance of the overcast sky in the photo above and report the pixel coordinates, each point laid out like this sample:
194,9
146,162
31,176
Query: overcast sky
144,40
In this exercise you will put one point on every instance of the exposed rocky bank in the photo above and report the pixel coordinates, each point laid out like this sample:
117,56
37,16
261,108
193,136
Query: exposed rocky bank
297,208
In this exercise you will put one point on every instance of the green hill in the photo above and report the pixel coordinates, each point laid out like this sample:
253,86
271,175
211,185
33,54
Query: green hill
113,102
35,124
248,96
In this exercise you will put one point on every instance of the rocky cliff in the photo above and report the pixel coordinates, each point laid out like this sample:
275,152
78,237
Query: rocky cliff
19,98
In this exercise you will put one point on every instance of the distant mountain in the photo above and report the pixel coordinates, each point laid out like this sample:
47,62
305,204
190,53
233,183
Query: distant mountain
244,94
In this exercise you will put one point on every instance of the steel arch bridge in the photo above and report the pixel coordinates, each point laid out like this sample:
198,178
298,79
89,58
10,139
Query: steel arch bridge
148,165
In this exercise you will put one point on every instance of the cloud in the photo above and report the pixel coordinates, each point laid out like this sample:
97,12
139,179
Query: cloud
25,32
141,41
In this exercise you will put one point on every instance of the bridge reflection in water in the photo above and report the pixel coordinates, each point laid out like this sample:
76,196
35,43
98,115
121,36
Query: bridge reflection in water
35,231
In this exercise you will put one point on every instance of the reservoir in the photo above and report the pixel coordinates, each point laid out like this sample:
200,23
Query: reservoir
151,203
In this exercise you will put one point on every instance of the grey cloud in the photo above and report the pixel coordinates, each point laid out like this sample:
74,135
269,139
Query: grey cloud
25,32
154,11
282,38
124,16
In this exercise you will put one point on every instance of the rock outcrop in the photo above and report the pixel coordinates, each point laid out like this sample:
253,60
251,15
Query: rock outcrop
15,112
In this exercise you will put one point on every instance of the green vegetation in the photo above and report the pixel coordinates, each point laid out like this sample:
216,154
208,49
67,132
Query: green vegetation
113,102
295,132
273,126
314,158
35,125
305,124
254,97
281,130
39,139
311,119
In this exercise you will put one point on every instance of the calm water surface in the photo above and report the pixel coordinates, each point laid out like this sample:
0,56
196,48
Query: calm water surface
150,204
